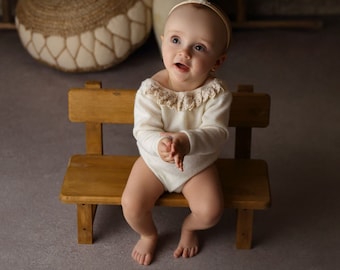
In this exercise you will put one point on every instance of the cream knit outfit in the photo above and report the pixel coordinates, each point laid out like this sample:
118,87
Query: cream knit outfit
202,114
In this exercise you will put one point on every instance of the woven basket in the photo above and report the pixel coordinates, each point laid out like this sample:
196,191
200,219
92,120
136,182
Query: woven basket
87,35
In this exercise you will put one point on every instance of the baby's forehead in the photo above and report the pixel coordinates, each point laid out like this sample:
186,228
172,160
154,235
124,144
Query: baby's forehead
195,16
196,13
195,10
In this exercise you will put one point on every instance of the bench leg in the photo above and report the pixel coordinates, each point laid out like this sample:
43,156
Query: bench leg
85,214
244,228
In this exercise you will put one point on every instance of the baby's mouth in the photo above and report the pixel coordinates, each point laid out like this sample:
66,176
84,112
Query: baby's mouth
182,67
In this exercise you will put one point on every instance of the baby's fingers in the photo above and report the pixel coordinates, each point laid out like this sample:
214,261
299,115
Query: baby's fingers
179,162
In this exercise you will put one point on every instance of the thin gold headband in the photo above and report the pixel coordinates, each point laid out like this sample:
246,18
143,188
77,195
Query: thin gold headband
213,8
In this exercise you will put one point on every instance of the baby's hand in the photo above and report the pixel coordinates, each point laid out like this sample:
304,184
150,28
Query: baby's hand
164,149
178,159
179,147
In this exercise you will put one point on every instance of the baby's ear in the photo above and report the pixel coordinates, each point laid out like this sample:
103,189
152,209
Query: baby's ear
162,38
220,61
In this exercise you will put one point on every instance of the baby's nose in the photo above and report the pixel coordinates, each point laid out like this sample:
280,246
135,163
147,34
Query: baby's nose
185,53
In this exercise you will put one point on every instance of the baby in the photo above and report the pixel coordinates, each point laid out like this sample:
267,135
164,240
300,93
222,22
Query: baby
181,118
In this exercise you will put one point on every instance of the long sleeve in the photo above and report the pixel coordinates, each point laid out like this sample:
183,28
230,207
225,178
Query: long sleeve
210,135
148,123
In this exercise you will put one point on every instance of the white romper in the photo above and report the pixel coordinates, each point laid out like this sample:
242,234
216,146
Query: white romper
202,114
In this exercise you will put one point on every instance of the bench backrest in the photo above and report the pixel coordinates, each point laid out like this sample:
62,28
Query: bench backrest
95,106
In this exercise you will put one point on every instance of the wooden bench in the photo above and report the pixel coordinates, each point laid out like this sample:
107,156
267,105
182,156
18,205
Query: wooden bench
94,178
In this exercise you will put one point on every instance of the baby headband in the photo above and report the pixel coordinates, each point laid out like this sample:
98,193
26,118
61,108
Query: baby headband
213,8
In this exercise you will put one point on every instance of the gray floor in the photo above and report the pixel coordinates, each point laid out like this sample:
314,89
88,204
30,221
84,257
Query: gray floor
301,71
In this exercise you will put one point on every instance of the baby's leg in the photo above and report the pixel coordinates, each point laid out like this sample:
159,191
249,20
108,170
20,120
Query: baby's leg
139,197
205,198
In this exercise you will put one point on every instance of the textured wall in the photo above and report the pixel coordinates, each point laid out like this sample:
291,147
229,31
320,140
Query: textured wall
280,7
12,4
285,7
291,7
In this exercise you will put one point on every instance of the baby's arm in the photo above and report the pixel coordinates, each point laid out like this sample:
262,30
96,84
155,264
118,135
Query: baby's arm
213,130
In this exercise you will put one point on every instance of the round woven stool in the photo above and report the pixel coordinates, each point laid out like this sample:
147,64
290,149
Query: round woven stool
87,35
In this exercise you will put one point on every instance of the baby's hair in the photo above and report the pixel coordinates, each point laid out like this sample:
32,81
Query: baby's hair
203,4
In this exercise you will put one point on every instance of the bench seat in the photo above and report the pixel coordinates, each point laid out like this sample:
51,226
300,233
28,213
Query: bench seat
96,179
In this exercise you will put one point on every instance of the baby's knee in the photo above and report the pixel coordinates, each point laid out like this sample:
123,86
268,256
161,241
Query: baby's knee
129,205
134,206
210,215
215,215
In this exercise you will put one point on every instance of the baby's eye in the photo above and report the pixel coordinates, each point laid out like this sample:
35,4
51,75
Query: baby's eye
175,40
199,48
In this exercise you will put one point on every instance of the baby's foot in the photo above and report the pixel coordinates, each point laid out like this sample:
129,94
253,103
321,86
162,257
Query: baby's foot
144,250
188,245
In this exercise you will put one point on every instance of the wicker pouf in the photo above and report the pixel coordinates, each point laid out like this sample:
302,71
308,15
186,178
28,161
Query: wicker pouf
87,35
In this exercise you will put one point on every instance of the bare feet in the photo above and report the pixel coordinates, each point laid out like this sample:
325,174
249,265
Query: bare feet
144,250
188,245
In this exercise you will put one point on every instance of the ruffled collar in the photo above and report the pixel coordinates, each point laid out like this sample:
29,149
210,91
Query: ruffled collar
182,101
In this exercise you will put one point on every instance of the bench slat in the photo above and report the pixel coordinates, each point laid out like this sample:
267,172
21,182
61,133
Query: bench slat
249,110
101,106
92,179
116,106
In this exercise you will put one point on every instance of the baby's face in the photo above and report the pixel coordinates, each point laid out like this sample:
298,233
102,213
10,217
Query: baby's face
193,44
